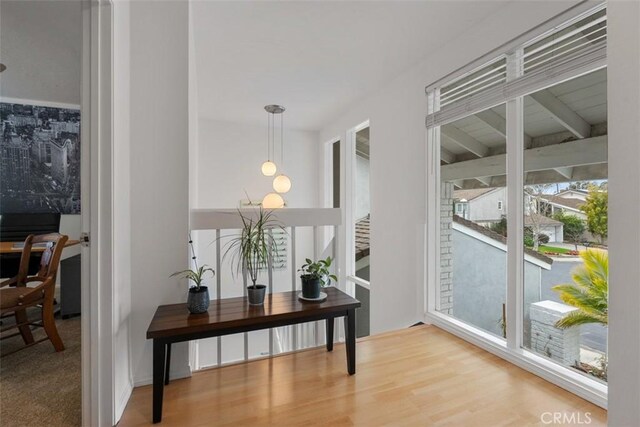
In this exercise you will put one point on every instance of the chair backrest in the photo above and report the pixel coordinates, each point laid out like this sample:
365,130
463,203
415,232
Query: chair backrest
51,255
23,269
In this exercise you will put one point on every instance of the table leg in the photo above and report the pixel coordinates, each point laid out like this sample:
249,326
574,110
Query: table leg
350,332
167,365
159,349
330,323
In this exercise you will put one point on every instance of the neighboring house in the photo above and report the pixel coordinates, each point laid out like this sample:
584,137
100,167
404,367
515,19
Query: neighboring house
481,205
567,202
552,228
479,276
573,194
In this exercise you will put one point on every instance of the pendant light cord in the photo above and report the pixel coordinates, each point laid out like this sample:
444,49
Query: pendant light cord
282,139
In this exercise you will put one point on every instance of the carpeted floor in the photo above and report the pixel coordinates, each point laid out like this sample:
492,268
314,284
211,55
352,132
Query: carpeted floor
39,386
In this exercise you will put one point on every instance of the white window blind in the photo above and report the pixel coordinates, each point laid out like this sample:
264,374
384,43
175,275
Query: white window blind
577,47
484,78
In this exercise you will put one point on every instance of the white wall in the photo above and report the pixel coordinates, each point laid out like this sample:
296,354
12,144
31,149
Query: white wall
159,171
623,88
229,160
396,113
41,44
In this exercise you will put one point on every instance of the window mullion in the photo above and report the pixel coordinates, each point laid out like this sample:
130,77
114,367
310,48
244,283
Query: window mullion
515,213
433,206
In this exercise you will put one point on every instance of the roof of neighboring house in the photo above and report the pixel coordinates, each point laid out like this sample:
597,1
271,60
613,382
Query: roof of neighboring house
575,190
471,194
540,220
498,237
362,237
571,203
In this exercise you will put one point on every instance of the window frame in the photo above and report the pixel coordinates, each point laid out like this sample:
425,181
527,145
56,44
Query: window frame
510,349
350,195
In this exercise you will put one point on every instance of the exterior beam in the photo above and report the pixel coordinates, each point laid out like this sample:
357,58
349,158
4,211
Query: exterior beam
562,114
457,136
574,153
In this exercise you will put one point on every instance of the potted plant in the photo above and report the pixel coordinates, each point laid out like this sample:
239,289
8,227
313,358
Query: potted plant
198,296
314,275
251,249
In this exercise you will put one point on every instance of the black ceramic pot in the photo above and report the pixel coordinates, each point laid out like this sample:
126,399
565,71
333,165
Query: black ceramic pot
198,300
310,286
256,294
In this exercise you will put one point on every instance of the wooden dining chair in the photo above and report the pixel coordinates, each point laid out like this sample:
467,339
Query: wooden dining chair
16,294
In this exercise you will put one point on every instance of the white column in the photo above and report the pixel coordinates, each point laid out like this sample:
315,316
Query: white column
624,210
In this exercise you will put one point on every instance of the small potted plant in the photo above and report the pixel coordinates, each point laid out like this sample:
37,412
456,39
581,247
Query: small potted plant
198,296
315,275
251,249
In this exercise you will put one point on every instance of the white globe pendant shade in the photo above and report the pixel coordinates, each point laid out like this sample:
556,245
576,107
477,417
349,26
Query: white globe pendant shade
282,184
269,168
273,201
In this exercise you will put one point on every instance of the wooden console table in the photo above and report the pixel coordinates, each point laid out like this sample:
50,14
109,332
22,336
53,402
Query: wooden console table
173,323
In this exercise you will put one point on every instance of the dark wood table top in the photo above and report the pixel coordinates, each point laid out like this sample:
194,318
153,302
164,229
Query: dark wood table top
174,319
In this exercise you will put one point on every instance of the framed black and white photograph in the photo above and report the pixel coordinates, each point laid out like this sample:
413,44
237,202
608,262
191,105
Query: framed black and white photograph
40,158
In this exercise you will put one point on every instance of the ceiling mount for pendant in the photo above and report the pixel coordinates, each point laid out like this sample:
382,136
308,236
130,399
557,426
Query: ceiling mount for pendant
274,109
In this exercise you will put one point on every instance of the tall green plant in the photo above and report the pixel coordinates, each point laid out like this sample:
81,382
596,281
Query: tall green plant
251,250
589,291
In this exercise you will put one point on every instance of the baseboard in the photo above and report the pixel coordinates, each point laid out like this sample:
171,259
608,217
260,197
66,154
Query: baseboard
121,403
184,373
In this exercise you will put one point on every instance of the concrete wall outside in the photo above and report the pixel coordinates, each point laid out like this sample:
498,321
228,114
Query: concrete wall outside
479,284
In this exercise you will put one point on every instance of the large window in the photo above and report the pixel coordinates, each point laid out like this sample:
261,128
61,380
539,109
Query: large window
517,251
473,250
565,220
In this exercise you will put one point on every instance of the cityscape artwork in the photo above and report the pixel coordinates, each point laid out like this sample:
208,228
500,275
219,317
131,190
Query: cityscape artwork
40,149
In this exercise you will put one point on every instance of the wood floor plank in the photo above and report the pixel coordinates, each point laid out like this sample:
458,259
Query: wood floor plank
420,376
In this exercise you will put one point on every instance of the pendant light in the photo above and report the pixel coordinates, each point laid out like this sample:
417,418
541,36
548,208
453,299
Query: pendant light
273,201
282,183
268,167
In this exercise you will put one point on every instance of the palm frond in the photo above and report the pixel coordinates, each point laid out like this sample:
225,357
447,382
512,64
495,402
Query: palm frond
578,317
590,291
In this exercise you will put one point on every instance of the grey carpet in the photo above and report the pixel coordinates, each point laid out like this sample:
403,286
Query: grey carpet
39,386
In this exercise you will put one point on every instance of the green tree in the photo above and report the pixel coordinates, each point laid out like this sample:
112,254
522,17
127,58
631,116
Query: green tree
573,227
499,227
589,291
596,209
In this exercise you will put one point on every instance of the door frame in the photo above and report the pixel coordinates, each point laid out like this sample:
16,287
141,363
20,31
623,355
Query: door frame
96,172
349,206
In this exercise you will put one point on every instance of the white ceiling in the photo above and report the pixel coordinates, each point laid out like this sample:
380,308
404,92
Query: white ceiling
316,58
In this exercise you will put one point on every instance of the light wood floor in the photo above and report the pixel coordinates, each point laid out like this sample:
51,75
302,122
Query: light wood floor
420,376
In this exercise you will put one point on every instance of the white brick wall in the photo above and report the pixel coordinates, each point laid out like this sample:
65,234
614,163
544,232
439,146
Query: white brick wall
561,345
446,248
